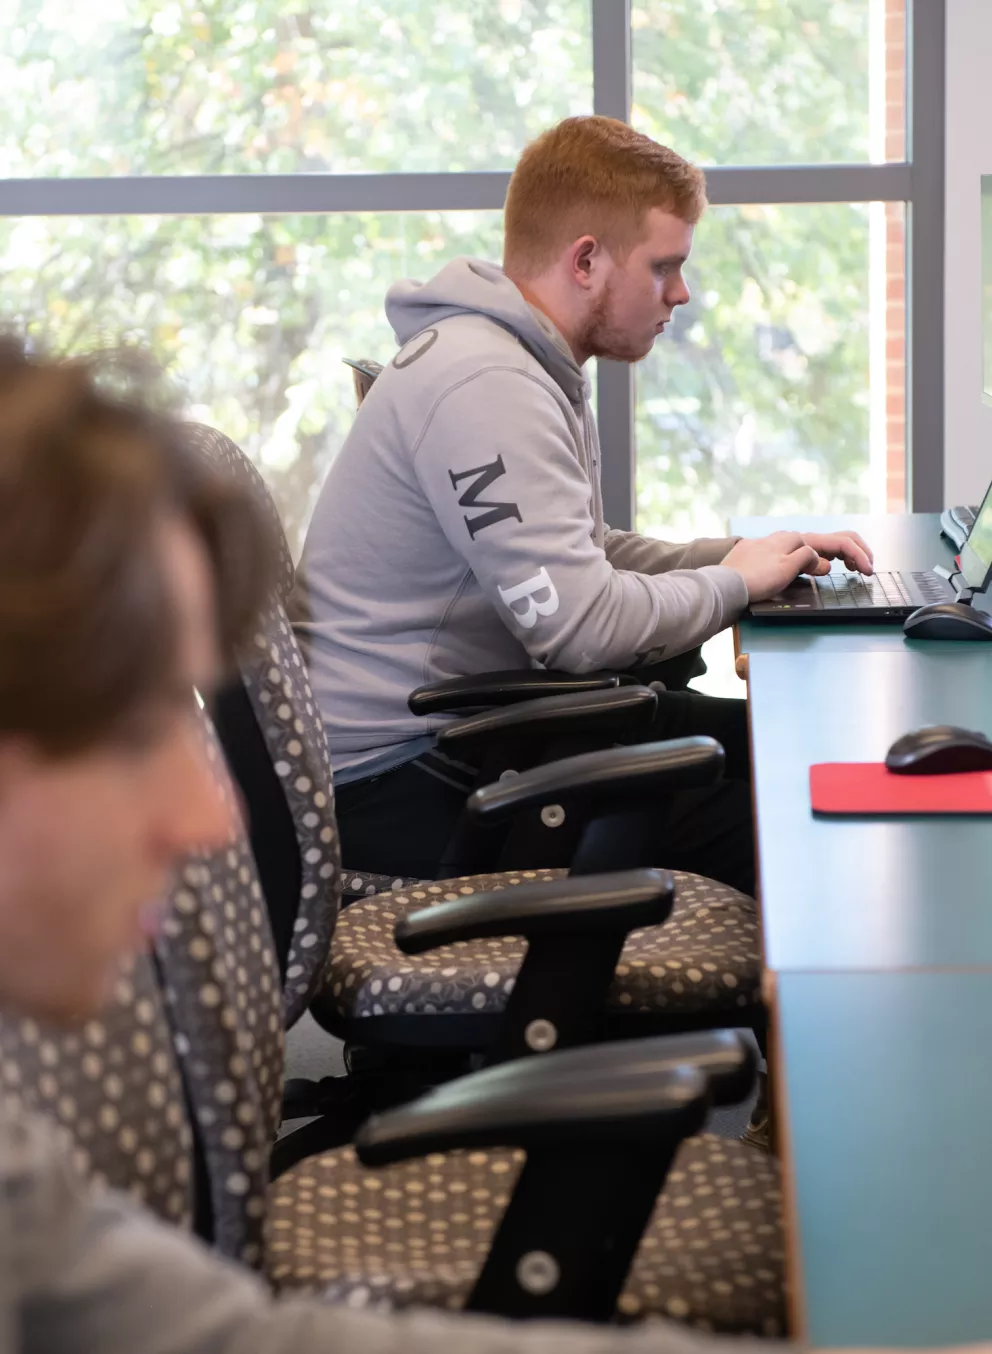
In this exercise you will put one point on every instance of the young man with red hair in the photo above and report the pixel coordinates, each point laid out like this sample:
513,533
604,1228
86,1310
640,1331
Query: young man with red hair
460,529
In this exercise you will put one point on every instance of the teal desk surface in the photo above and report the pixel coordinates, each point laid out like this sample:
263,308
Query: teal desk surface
887,1136
879,935
866,893
910,541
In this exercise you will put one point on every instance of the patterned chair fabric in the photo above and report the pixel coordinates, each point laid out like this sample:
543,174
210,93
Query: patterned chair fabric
200,1023
222,990
418,1232
704,959
275,679
221,981
114,1089
366,884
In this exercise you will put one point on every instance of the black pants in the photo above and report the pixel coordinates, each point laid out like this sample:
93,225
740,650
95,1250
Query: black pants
400,822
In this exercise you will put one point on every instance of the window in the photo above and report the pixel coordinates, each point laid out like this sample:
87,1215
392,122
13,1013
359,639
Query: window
763,396
783,384
281,86
770,82
238,184
252,315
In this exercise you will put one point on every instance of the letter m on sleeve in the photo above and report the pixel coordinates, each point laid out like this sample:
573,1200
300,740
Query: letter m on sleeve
479,481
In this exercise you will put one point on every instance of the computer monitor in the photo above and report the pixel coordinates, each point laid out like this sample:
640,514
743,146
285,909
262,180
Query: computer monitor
976,553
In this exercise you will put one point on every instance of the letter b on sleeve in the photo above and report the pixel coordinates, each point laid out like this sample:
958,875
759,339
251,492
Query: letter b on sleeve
539,595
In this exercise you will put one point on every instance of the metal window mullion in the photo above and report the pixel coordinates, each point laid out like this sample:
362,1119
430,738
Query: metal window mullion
611,72
611,81
223,194
769,184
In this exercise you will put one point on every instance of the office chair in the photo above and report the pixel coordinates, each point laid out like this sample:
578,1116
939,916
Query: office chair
702,969
400,1219
363,373
114,1088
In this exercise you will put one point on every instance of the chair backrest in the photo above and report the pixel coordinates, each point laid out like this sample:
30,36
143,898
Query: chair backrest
217,964
363,373
115,1090
175,1093
273,739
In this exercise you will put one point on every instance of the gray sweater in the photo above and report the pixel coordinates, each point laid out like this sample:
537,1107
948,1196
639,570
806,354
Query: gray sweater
460,529
88,1272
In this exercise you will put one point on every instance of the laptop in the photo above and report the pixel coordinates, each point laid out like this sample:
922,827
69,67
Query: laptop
847,598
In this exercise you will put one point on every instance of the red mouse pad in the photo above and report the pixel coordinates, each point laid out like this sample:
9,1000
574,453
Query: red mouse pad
870,787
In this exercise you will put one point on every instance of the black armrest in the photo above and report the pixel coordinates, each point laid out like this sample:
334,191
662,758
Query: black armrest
622,901
506,688
600,1127
727,1059
601,714
615,774
564,1098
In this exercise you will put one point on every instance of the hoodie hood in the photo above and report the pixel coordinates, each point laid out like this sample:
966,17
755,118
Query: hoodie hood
473,287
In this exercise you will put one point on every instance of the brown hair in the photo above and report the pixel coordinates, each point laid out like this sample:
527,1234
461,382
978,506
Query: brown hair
89,470
592,176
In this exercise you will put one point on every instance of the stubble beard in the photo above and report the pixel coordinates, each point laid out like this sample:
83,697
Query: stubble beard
599,337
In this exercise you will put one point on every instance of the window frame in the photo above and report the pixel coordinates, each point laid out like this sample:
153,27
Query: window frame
919,182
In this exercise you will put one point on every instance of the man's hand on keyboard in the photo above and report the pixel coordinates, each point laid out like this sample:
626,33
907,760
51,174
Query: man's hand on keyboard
769,564
845,545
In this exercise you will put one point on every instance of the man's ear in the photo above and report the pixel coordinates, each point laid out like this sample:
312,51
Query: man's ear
585,256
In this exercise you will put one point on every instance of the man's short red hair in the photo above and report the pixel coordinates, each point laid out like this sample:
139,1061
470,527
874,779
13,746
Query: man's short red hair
592,176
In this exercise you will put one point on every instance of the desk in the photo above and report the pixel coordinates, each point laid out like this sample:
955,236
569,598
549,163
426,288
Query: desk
890,1101
878,945
857,893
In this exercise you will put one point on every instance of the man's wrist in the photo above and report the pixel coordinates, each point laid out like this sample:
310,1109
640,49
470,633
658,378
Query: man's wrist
733,587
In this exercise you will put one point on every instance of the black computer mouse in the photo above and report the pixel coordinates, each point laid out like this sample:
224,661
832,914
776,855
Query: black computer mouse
937,749
948,620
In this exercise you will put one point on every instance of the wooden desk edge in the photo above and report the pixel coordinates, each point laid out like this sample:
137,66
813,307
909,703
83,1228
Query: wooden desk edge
740,659
779,1108
795,1297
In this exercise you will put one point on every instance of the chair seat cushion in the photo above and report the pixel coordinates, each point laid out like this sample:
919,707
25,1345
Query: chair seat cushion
365,883
417,1233
705,958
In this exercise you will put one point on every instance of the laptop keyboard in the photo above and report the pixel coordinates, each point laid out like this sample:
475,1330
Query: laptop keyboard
847,590
880,590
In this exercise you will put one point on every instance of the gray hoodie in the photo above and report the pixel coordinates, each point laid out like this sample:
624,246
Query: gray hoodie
460,529
86,1271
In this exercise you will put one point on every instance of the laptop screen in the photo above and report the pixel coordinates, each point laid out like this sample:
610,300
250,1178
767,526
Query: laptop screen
976,553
